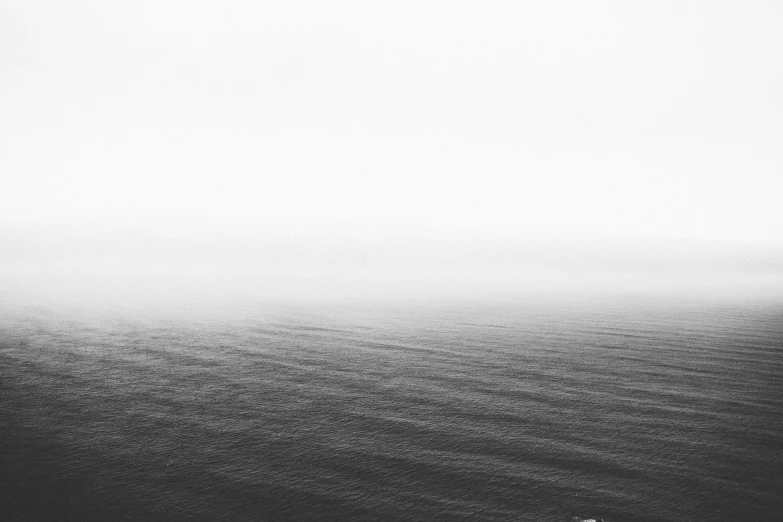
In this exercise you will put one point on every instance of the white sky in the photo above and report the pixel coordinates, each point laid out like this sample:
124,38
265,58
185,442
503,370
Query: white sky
627,119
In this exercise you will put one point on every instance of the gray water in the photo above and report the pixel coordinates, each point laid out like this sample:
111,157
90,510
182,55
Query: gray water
626,409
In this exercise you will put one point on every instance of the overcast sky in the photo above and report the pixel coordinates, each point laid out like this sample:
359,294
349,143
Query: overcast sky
606,119
516,122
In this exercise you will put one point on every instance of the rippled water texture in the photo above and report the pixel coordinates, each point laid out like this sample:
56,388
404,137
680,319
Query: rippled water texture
630,411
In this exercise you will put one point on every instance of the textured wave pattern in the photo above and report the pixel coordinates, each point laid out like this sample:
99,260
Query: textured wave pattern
631,412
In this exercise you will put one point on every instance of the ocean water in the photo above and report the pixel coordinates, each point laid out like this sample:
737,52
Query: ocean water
626,409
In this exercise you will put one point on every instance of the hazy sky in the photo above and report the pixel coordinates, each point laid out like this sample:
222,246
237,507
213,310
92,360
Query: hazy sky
607,119
223,130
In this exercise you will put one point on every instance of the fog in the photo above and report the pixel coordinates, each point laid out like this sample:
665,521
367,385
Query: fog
179,152
144,271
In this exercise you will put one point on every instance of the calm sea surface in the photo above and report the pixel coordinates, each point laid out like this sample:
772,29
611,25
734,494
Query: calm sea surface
632,410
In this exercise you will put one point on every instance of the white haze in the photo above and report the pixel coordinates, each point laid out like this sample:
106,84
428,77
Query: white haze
170,150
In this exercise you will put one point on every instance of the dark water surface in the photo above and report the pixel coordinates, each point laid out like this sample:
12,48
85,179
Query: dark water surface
631,411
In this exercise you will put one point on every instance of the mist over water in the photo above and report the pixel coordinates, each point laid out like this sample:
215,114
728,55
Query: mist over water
167,377
146,376
154,377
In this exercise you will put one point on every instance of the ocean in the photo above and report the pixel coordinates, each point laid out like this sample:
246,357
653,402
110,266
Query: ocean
626,409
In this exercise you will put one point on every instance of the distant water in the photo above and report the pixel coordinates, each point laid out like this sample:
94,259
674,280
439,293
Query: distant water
631,410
